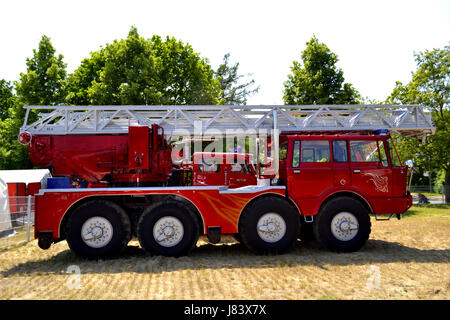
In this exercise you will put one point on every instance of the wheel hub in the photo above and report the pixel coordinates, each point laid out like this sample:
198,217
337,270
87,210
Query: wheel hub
96,232
168,231
271,227
344,226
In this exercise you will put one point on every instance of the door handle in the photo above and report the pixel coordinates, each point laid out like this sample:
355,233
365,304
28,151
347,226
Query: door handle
297,171
356,171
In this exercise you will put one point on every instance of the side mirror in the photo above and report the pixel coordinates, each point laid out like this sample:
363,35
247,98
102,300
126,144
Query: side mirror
409,163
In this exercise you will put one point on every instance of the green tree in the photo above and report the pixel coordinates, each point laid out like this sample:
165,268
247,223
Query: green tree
44,81
429,87
7,99
79,82
233,92
430,84
42,84
138,71
317,80
12,154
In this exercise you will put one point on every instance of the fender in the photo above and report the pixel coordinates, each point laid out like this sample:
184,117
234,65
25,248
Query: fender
199,198
334,191
81,200
299,209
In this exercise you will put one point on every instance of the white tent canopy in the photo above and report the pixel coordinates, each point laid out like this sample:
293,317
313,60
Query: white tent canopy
27,176
5,217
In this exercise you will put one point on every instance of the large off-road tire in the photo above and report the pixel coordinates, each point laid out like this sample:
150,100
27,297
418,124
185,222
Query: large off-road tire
168,228
269,225
98,229
342,225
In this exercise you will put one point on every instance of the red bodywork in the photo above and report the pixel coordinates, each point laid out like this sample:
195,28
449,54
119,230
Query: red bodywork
312,169
217,206
141,156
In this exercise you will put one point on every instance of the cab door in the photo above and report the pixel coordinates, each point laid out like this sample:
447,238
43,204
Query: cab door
399,172
309,172
370,170
341,164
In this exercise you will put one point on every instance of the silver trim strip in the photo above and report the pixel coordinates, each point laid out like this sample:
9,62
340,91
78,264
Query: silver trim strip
222,189
253,189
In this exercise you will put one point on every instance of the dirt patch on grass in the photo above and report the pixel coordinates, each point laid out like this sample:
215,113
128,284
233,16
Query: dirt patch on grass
406,259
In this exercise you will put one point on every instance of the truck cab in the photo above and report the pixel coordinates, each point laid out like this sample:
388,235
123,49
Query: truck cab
316,167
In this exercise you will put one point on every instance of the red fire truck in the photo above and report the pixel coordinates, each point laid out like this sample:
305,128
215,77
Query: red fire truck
120,176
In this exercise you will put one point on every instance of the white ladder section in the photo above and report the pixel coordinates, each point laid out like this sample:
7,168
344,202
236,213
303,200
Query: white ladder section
409,120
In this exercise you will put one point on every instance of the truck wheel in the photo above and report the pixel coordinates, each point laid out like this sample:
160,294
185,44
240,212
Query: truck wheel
342,225
168,229
269,225
98,229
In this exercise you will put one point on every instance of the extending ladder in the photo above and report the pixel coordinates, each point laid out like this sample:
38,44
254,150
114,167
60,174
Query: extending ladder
409,120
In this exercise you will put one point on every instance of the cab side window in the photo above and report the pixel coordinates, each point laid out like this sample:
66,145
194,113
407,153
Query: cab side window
394,157
384,159
315,151
296,154
340,151
283,150
367,151
363,151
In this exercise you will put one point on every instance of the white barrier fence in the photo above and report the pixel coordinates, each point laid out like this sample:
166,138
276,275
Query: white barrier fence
17,222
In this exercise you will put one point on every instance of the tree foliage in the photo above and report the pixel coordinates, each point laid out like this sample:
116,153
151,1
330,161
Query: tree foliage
138,71
430,84
233,92
44,81
42,84
429,87
12,154
79,82
317,80
7,99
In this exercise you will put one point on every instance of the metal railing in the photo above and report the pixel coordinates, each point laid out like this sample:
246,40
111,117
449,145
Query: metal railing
17,224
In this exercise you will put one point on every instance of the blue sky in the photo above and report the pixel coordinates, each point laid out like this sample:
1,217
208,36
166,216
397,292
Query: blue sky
374,40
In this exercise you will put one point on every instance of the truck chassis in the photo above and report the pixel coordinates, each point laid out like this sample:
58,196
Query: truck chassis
160,217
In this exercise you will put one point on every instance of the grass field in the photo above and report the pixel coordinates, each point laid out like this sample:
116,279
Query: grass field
406,259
